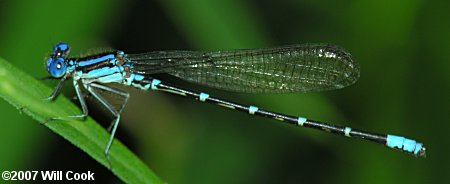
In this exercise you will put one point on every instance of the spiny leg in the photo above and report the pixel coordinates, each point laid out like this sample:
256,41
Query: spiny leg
58,87
91,88
124,94
81,100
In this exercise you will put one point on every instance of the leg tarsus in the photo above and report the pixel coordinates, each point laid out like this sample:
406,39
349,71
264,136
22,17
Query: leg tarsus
111,139
108,160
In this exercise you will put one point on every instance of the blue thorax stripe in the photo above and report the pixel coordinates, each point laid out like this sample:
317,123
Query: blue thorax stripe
99,72
91,61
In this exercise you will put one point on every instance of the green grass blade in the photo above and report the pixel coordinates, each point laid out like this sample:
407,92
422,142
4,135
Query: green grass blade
28,94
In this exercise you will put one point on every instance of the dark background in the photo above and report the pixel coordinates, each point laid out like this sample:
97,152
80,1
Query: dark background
402,47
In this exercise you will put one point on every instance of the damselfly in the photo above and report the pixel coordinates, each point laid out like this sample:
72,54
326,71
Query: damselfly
295,68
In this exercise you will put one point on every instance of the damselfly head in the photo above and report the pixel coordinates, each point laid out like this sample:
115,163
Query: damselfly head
56,64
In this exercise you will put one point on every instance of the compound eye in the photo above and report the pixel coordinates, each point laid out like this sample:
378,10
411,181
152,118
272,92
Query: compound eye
56,67
61,50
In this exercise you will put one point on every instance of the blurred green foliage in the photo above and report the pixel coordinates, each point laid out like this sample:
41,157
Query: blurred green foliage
402,47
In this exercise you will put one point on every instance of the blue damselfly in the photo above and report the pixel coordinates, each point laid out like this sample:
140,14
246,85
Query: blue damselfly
295,68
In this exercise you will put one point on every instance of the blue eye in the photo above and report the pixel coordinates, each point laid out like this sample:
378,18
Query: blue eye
56,67
61,50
